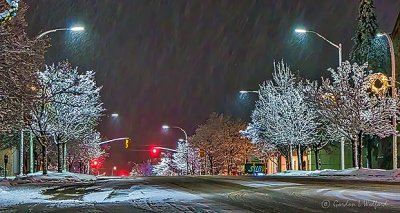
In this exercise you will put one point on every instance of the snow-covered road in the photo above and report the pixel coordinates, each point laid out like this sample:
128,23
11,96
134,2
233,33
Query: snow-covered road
205,194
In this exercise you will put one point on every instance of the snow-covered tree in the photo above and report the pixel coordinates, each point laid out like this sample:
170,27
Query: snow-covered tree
348,104
165,167
187,159
74,114
142,169
367,47
85,149
67,106
223,145
282,115
20,59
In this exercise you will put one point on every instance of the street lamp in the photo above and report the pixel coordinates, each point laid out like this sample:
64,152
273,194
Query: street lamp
112,171
339,47
186,140
393,82
114,115
247,91
176,127
74,29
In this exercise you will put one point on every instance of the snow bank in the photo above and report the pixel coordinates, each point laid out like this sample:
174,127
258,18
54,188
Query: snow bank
54,177
352,173
14,196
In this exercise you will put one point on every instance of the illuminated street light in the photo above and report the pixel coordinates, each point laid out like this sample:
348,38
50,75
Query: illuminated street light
75,29
114,115
300,31
339,47
176,127
247,91
112,171
394,120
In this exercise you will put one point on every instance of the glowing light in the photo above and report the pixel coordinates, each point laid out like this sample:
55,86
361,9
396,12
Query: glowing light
298,30
165,127
77,28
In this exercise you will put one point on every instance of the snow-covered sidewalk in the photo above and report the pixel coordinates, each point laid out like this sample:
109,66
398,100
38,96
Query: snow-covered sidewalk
353,173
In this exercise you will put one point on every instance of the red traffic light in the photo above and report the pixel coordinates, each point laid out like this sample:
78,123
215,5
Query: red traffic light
154,151
95,163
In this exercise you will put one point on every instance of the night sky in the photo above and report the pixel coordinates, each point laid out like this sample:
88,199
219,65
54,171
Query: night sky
176,61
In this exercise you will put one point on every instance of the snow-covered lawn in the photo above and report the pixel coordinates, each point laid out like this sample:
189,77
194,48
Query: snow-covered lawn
54,177
353,173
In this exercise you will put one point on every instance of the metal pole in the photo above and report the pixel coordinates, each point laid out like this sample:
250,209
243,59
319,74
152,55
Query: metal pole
342,139
21,154
394,95
31,160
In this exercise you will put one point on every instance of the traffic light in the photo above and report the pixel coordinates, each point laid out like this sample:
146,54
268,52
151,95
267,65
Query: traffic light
127,143
154,152
95,164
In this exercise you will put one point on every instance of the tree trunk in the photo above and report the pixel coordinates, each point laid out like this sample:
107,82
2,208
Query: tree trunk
211,165
359,152
354,153
316,153
45,162
291,157
299,158
64,157
59,160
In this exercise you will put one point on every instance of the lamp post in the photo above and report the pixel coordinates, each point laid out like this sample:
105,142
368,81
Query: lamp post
393,82
112,171
339,47
114,115
248,91
186,140
176,127
75,29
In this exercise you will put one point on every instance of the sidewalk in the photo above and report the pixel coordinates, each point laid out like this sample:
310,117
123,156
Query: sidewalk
374,175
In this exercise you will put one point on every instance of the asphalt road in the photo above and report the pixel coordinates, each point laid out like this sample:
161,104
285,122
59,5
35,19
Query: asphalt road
215,194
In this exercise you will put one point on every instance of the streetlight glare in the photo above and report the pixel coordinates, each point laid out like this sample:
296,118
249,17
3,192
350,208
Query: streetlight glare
114,115
242,91
380,34
165,127
298,30
77,28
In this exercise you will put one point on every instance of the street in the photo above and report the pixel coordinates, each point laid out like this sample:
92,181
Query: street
209,194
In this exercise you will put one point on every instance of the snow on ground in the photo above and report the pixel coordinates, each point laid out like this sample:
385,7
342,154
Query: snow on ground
139,193
17,196
353,173
54,177
257,184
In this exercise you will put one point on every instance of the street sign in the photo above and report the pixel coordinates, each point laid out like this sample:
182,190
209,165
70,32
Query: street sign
254,168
